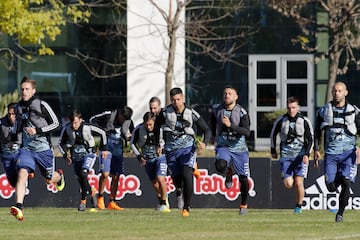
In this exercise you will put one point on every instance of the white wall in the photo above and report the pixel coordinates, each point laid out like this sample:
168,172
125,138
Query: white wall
147,55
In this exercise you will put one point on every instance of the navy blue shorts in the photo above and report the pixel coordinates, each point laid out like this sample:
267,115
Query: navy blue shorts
156,168
44,160
340,165
181,157
240,161
293,166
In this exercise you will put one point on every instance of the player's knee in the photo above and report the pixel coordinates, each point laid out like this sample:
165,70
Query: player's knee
331,187
220,165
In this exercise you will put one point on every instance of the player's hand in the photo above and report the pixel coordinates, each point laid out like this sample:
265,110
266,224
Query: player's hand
68,159
30,130
104,154
226,121
357,155
317,156
159,151
306,159
142,162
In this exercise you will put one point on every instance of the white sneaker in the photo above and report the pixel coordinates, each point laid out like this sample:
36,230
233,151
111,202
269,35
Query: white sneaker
164,209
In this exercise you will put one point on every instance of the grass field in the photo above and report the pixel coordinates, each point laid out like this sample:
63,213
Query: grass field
66,223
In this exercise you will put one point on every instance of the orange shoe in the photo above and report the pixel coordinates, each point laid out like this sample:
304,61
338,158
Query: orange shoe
100,203
113,206
185,213
196,173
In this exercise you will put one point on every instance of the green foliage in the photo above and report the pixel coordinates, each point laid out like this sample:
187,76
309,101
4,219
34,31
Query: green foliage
272,116
35,21
6,99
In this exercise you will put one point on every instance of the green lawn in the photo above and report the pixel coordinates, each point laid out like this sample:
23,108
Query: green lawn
65,223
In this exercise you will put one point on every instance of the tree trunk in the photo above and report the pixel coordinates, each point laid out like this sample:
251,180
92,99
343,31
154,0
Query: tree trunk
334,66
169,72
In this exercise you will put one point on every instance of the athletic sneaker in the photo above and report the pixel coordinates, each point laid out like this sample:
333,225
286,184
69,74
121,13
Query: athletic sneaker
297,210
113,206
185,213
60,184
228,179
82,205
100,202
243,210
164,209
180,201
17,213
339,218
196,173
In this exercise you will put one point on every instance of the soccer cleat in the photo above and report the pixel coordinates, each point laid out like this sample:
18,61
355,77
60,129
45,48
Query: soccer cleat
196,174
180,201
100,203
31,175
164,209
17,213
243,210
185,213
228,179
113,206
60,184
82,205
339,218
297,210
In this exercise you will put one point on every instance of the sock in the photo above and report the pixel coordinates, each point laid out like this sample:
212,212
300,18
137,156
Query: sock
188,186
344,195
244,188
162,202
298,205
19,205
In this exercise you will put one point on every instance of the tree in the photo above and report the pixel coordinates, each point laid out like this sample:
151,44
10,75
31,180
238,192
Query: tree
34,23
343,27
206,31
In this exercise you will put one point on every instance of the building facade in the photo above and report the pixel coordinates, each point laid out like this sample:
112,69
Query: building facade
272,67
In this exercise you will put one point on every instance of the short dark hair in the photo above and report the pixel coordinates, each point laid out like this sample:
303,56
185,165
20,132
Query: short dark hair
149,116
230,87
176,90
126,112
75,113
155,99
292,99
10,106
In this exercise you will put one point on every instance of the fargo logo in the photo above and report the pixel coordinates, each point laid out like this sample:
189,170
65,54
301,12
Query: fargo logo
129,184
214,183
318,197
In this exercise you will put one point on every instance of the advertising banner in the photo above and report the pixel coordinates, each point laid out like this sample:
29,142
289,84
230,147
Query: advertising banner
266,189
